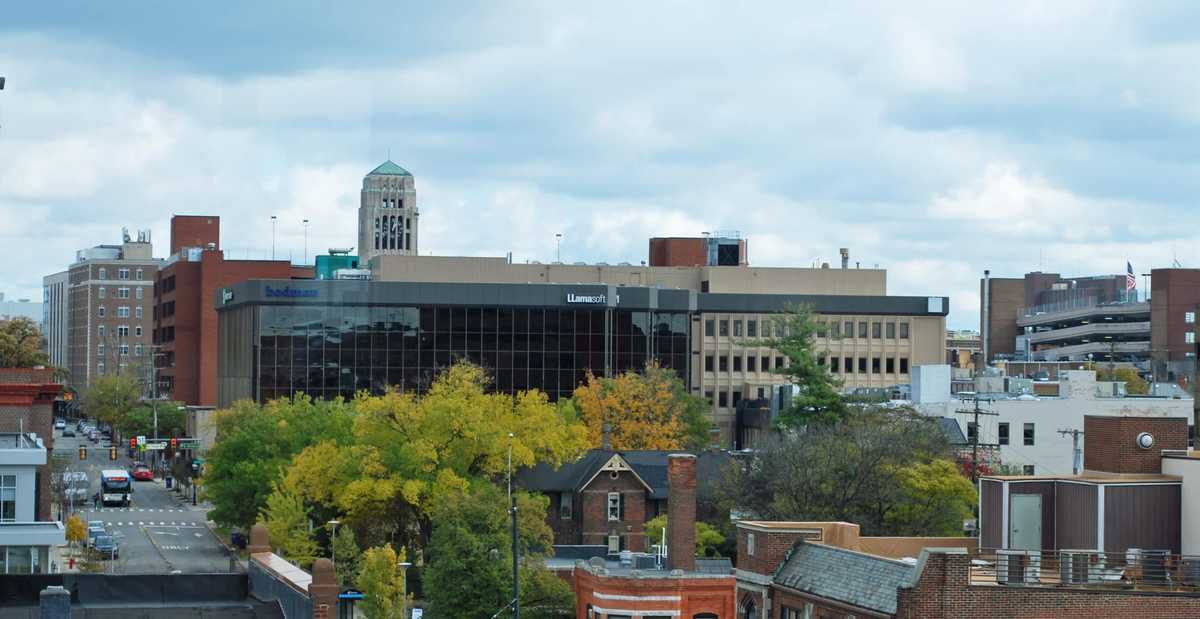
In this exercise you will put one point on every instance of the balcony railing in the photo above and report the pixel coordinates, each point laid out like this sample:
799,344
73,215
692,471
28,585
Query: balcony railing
1135,569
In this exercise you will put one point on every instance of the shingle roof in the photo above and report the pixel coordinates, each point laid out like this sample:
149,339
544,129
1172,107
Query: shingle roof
845,576
388,168
651,466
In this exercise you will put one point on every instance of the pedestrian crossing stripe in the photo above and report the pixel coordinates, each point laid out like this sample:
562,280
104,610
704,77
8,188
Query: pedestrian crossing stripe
179,548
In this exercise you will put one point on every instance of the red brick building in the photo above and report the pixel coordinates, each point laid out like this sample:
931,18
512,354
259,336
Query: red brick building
185,323
711,251
27,405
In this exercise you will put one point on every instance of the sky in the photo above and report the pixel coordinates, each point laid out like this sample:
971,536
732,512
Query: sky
935,140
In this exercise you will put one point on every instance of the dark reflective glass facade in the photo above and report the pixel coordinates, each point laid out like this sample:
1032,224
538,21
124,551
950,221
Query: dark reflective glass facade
332,350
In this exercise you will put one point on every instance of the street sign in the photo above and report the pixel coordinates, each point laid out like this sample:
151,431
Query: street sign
189,443
155,445
141,440
417,613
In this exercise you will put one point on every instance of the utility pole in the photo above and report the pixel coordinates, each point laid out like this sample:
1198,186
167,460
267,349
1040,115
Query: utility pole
1076,455
976,411
516,603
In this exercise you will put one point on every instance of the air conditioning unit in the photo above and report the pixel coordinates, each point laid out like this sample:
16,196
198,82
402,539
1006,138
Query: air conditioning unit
1075,566
1018,567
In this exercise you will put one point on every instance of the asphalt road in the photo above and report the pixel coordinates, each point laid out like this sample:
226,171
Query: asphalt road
157,533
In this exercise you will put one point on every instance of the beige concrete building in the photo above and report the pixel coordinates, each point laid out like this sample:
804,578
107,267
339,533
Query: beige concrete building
870,341
387,213
110,300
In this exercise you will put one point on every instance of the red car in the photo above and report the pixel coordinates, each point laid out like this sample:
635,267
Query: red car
143,473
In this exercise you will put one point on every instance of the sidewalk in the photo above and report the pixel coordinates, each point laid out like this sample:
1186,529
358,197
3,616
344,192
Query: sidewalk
184,497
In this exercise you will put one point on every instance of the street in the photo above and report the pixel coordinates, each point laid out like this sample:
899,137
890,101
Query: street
158,533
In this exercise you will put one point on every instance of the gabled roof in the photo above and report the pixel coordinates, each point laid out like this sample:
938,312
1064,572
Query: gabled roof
388,168
845,576
649,466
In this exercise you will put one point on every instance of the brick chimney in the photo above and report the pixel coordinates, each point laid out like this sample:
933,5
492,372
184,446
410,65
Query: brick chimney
681,512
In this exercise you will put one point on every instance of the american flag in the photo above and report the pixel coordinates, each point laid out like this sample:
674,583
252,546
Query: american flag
1130,281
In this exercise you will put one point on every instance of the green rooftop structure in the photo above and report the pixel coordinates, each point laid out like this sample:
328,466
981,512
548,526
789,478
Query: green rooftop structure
388,168
330,263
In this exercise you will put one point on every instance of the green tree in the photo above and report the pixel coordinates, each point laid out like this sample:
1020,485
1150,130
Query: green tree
708,539
380,580
21,344
254,445
1134,383
347,553
819,398
934,499
140,420
287,522
111,397
848,470
647,410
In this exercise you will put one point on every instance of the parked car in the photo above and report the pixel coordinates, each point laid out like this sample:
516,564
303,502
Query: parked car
68,432
141,472
94,436
106,545
60,425
95,529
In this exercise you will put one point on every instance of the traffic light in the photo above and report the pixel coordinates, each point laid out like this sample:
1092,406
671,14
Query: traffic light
112,453
82,452
174,443
132,442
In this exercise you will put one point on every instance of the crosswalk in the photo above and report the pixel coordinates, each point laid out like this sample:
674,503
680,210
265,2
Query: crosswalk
178,548
126,510
151,523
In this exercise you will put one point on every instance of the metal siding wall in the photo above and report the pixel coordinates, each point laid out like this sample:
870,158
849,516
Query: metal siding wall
1075,516
1046,489
992,494
1141,516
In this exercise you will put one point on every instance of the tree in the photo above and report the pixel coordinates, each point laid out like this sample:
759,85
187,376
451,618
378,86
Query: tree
846,470
111,397
76,530
1134,383
648,410
347,553
935,499
287,522
708,539
140,420
380,581
819,398
21,344
255,443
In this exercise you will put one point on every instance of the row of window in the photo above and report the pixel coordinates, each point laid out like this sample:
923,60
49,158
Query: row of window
1028,433
121,332
123,350
878,365
100,368
122,274
122,311
713,327
751,363
122,293
874,330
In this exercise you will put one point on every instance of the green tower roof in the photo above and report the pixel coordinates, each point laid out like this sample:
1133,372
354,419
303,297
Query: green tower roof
388,168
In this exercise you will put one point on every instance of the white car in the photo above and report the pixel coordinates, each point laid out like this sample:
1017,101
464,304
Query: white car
60,425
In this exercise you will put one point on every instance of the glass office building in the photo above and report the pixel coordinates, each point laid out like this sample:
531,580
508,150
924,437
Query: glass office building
334,338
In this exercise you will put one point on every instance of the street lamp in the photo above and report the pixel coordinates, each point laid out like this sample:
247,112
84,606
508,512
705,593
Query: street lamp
403,568
333,549
305,241
273,218
558,247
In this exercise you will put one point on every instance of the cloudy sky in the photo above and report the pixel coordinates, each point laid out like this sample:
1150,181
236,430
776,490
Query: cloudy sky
935,141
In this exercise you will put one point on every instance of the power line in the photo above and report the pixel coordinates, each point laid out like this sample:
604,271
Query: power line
1075,453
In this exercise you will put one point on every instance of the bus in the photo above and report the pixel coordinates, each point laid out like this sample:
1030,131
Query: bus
115,487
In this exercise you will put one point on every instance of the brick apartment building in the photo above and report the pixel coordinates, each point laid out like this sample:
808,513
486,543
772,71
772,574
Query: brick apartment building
27,406
185,323
606,497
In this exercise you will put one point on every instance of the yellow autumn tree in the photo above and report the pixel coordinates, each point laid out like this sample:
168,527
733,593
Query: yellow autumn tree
648,410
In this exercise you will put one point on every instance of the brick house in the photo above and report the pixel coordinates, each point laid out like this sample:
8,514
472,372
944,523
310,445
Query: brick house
606,497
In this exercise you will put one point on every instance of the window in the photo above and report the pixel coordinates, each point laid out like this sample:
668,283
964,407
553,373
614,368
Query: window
835,330
765,366
737,328
137,331
138,292
1189,317
614,544
564,505
103,273
834,366
876,330
122,293
100,331
723,363
891,330
875,365
722,399
123,274
903,365
614,505
737,365
751,361
1189,337
1028,469
890,365
724,328
904,330
862,330
1002,433
103,292
780,362
862,365
751,328
737,397
100,368
124,350
123,311
100,311
708,363
708,395
100,351
123,331
139,276
137,312
848,329
137,350
972,432
709,327
848,365
8,498
1029,434
766,328
749,544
